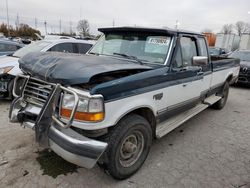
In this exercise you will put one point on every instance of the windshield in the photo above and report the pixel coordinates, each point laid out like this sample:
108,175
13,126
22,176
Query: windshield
242,55
141,46
34,47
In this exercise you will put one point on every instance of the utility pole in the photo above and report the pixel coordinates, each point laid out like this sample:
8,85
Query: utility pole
36,23
60,26
113,23
177,23
45,25
17,21
70,27
8,23
81,12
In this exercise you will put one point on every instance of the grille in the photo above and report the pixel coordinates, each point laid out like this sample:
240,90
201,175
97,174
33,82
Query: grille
245,71
37,91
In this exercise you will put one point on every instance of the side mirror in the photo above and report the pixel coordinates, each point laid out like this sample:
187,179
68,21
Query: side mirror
200,60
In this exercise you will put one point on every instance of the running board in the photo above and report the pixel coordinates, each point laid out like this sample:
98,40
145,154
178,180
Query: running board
174,122
212,99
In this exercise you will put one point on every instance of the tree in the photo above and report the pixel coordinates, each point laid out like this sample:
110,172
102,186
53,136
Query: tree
4,29
83,27
242,27
227,29
23,30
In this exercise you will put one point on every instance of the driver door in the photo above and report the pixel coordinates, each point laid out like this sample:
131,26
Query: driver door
186,93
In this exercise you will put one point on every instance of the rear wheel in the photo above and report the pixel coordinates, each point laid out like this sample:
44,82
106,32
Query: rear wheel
129,145
224,95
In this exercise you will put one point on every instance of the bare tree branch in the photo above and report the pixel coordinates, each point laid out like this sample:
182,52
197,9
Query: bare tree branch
83,27
227,29
242,27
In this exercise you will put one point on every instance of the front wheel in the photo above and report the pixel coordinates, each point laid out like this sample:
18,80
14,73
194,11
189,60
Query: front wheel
129,145
224,95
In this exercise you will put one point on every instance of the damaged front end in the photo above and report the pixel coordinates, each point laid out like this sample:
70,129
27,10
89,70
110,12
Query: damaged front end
38,107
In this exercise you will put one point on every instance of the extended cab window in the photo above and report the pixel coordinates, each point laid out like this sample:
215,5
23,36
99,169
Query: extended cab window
188,49
63,47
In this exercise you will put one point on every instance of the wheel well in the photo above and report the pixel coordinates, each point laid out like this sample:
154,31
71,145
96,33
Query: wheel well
147,114
229,78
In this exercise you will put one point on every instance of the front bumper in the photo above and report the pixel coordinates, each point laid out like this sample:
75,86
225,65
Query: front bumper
63,140
74,147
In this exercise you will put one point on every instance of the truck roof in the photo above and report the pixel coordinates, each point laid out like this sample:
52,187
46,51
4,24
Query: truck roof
148,29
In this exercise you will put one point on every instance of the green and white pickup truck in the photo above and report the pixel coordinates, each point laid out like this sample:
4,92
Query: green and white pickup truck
135,85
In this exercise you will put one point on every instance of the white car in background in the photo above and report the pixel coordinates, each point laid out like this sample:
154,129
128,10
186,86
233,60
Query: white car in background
9,66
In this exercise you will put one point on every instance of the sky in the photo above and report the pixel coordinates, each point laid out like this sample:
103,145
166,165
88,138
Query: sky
194,15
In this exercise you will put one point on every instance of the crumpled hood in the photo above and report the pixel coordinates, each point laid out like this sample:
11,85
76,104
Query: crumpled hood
71,69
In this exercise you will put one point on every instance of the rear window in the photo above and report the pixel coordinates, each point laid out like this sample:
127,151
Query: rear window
83,48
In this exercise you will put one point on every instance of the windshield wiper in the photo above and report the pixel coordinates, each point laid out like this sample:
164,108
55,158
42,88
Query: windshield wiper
129,57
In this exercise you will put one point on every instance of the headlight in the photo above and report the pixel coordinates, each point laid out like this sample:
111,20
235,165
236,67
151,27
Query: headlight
5,70
89,109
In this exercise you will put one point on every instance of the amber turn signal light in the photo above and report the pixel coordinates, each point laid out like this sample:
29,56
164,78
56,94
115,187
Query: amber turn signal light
83,116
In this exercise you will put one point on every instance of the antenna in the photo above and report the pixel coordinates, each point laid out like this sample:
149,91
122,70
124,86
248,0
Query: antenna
70,27
8,22
60,26
17,21
36,23
177,23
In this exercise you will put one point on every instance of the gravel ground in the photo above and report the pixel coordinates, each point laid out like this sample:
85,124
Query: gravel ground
210,150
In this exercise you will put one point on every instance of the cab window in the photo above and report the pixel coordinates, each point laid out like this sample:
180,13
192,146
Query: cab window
188,50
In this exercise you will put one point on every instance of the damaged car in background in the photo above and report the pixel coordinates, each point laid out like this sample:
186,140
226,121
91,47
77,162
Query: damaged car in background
134,85
244,75
9,66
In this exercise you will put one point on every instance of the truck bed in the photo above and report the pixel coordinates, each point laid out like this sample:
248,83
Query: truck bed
223,62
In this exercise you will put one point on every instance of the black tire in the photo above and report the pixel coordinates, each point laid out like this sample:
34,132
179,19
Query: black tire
131,127
224,94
